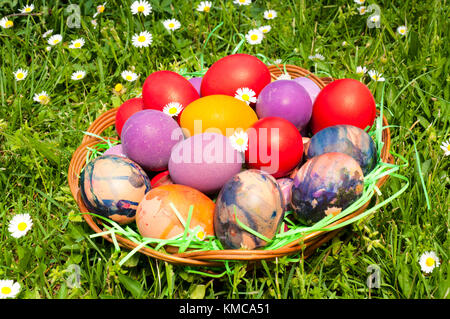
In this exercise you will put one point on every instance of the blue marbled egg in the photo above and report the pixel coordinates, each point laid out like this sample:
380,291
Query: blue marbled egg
324,185
257,200
347,139
112,186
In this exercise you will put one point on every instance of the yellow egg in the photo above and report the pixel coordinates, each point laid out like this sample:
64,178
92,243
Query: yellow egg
222,114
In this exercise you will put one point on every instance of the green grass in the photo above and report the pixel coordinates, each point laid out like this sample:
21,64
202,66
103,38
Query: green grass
37,141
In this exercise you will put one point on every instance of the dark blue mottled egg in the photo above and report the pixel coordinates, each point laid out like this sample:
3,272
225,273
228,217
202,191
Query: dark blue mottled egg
347,139
324,185
112,186
257,200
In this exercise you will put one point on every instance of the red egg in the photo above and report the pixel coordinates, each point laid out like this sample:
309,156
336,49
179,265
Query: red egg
235,71
162,178
128,108
274,145
344,101
163,87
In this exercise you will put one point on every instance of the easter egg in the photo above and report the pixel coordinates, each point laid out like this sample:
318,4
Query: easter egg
162,178
196,82
286,99
115,150
274,146
347,139
254,198
285,185
163,87
112,186
324,185
156,217
344,101
148,137
310,86
228,74
205,162
217,113
125,110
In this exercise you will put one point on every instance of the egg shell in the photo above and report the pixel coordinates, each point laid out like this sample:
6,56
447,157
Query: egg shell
217,113
258,202
196,82
235,71
125,110
155,218
343,101
163,87
162,178
112,186
274,145
347,139
205,162
310,86
286,99
115,150
285,185
324,185
148,137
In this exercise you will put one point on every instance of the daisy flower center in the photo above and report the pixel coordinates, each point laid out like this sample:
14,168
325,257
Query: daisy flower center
173,110
55,41
27,9
206,9
141,38
429,262
254,37
171,25
141,8
118,87
270,15
6,290
245,97
448,147
22,225
101,9
129,77
9,24
20,75
240,141
77,45
200,234
79,76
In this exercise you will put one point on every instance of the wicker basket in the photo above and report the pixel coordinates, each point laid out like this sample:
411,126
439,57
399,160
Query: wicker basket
307,244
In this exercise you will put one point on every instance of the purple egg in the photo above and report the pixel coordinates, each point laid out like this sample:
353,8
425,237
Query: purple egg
148,137
196,82
310,86
115,150
205,162
285,184
286,99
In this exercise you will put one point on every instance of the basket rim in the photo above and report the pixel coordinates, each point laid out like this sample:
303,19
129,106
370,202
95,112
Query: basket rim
307,244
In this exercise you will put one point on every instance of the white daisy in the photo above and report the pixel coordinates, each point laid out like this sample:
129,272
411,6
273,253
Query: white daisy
428,261
362,10
284,76
254,36
20,74
129,76
361,70
245,94
100,9
42,98
173,108
141,6
445,146
171,24
265,28
200,233
47,33
344,43
204,6
359,1
6,23
48,48
55,39
9,289
270,14
76,44
317,57
375,19
19,225
143,39
239,141
242,2
277,61
376,76
78,75
402,30
27,9
94,23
